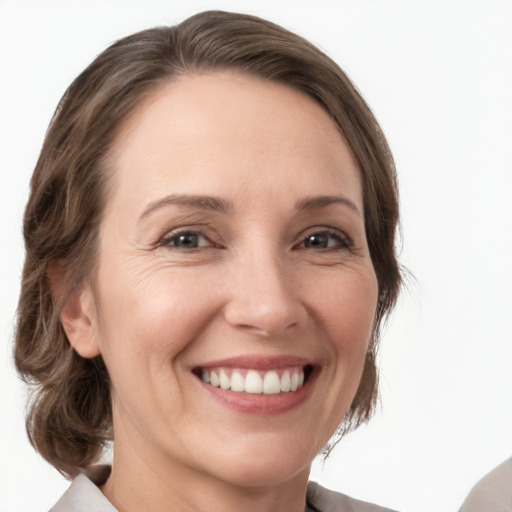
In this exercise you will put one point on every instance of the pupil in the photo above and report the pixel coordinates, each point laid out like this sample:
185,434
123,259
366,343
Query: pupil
316,241
187,240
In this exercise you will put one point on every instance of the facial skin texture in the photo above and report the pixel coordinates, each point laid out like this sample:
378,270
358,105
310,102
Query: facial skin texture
257,285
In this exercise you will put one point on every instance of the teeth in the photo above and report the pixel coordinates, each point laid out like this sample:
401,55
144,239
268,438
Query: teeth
253,382
286,383
237,382
214,379
295,382
271,383
256,382
224,380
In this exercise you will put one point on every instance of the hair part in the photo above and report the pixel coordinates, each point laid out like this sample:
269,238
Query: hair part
70,417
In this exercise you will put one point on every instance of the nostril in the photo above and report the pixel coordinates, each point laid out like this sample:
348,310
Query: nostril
265,319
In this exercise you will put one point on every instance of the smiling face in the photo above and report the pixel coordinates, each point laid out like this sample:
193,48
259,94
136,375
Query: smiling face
234,295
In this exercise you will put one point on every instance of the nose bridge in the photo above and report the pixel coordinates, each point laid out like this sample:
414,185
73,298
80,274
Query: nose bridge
262,297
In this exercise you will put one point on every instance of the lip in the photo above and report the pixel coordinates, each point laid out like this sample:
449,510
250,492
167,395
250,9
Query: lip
265,363
261,404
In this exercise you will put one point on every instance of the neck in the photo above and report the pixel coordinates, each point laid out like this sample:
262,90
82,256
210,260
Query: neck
157,483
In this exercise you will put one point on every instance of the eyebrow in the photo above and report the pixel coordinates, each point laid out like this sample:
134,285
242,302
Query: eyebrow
317,202
210,203
217,204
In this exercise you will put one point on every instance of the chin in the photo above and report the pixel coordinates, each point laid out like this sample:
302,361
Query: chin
265,463
257,475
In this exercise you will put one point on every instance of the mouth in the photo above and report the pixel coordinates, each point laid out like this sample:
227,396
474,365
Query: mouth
256,381
264,386
259,384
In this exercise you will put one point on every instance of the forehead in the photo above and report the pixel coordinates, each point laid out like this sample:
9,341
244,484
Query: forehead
232,129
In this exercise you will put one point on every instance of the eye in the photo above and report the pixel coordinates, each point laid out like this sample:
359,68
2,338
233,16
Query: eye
186,240
326,239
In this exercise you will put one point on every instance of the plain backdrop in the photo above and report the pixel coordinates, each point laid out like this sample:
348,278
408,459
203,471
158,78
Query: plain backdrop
438,75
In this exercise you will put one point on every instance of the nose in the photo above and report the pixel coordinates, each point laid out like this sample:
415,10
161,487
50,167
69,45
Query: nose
263,299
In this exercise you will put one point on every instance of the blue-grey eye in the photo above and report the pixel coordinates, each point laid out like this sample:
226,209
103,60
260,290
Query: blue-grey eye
324,240
187,241
317,241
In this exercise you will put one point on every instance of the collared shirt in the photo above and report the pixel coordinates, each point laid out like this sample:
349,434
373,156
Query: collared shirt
493,493
84,495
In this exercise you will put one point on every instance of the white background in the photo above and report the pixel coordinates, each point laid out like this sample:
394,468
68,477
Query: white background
438,75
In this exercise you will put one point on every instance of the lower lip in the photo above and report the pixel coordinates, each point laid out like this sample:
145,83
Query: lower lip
261,404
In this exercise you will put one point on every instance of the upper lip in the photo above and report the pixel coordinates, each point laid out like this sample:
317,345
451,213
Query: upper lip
253,362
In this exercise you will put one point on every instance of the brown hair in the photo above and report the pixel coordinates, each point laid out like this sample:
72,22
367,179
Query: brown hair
70,417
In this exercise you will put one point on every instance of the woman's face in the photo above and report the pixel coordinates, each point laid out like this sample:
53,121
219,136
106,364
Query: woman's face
232,255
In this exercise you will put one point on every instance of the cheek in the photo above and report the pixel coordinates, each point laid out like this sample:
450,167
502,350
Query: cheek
151,314
345,309
348,309
146,322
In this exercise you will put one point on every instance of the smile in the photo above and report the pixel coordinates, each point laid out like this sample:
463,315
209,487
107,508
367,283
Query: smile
260,385
241,380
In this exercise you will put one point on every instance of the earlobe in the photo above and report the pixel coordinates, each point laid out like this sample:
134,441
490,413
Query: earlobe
77,314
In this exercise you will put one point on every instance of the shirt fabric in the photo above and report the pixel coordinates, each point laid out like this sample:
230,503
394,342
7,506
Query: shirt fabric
493,493
84,495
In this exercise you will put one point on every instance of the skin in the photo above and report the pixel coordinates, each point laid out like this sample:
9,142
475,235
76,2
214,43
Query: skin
255,286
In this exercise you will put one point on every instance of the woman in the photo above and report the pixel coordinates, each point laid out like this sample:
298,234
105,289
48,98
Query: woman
210,254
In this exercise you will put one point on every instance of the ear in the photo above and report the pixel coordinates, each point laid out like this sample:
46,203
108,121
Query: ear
78,318
78,314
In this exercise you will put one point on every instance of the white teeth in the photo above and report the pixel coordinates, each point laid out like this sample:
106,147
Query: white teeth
224,380
237,382
214,379
271,383
256,382
285,381
253,382
295,382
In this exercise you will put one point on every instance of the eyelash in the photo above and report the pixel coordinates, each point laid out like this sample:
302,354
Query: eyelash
342,241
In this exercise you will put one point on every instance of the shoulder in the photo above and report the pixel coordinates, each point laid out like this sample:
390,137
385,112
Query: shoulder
84,494
325,500
493,493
